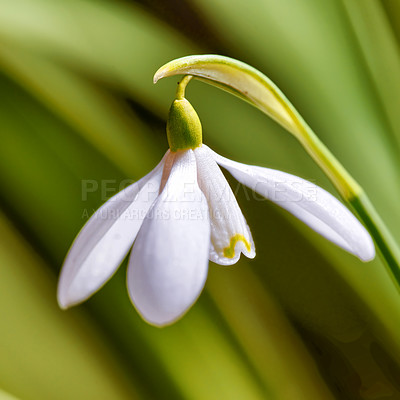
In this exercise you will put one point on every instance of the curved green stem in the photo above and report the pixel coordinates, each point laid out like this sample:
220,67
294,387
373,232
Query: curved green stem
384,241
252,86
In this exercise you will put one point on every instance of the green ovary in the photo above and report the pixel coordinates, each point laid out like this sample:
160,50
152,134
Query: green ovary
183,126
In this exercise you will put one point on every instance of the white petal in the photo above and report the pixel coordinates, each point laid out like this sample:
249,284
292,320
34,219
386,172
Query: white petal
169,260
311,204
104,241
230,234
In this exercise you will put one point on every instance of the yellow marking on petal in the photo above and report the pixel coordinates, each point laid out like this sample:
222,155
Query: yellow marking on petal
229,252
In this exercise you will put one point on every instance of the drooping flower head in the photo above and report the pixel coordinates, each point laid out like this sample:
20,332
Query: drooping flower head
183,214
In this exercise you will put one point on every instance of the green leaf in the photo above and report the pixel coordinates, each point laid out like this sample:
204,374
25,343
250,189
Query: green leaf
6,396
113,42
104,122
46,353
381,54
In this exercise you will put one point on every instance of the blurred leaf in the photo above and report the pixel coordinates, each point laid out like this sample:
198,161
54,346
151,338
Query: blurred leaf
107,124
382,57
116,42
50,355
261,328
392,9
41,169
6,396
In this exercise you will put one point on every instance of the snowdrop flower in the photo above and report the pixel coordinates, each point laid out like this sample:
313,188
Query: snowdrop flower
183,214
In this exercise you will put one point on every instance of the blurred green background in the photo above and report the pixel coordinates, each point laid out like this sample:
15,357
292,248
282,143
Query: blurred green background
303,320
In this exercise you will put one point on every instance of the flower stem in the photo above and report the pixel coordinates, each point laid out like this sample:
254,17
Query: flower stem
180,90
254,87
388,248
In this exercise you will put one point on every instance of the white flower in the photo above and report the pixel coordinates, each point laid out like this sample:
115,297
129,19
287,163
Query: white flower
180,216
